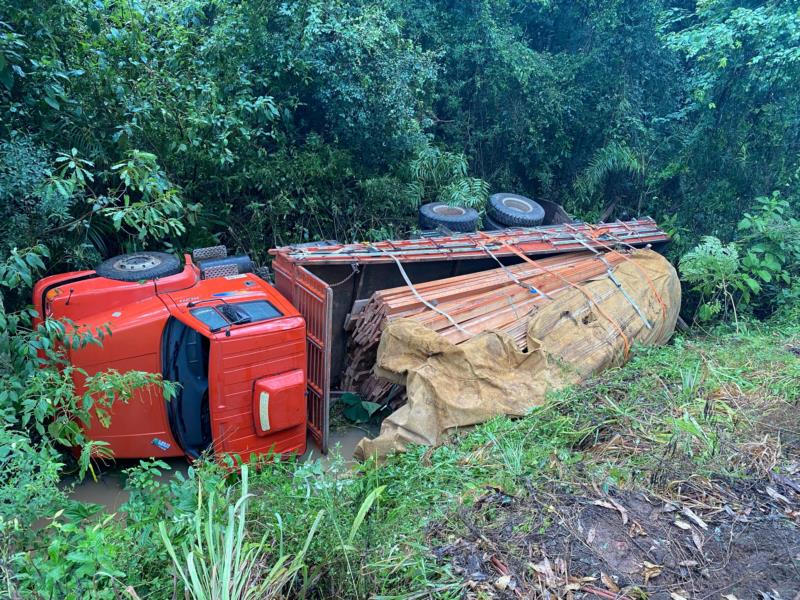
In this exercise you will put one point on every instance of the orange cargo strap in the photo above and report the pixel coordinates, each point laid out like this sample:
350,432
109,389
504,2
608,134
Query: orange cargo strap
510,274
517,252
597,231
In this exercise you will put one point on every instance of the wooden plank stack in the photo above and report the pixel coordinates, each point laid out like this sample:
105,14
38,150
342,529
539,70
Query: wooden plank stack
499,299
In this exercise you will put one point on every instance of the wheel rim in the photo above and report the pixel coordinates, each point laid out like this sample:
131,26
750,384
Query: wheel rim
448,211
136,262
515,204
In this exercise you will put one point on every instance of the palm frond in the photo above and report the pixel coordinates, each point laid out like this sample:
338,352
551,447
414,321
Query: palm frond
614,157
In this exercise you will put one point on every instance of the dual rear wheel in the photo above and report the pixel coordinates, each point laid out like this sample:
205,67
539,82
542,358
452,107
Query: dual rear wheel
503,210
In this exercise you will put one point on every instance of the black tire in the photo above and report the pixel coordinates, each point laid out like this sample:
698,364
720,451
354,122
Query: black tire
139,266
490,224
512,210
454,218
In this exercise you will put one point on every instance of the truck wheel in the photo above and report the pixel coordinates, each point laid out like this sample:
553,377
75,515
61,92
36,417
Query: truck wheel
454,218
490,224
138,266
515,211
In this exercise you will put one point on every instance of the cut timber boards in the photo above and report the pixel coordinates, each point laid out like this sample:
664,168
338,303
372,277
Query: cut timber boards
463,306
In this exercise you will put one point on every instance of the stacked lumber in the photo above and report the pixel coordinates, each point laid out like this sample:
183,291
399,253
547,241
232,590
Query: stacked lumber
463,306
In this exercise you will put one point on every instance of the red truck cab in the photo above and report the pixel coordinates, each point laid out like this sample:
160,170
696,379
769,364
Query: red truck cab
235,346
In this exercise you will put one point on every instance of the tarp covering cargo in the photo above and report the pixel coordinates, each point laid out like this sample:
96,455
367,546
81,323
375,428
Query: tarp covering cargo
583,331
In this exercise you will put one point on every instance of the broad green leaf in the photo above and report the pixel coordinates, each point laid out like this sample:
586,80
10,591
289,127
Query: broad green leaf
7,78
363,510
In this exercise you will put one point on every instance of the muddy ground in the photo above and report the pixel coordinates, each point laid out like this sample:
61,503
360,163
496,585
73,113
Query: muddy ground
723,539
108,488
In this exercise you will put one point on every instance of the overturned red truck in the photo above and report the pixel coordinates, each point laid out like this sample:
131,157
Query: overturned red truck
256,362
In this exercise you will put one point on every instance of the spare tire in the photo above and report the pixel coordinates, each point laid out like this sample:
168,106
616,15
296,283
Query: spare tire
454,218
515,211
138,266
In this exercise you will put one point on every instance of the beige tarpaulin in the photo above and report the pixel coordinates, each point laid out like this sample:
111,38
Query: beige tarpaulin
450,386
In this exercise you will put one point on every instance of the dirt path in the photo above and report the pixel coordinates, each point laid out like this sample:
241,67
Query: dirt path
722,539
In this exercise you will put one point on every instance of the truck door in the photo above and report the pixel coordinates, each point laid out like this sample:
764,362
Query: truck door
184,354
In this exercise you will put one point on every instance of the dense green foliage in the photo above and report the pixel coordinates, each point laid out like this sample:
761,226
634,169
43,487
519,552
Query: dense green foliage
758,271
169,124
262,123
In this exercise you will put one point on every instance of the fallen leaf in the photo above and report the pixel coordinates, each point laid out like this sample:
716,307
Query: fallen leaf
676,596
650,571
669,507
697,520
730,597
698,541
560,565
777,496
609,583
590,535
545,572
614,505
682,524
786,481
636,529
688,563
543,568
503,582
622,510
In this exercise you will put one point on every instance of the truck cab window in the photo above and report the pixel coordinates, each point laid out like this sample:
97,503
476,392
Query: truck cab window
259,310
236,313
210,317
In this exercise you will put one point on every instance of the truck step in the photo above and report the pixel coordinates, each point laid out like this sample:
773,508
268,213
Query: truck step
220,271
209,252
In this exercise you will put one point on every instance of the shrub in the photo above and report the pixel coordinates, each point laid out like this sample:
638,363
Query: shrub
758,271
713,269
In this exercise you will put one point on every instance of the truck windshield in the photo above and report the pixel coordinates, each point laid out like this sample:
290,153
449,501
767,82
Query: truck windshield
222,315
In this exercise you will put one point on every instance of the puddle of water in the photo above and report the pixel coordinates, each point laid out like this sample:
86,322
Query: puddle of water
342,440
109,490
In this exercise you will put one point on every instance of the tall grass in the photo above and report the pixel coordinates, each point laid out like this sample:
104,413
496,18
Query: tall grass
219,564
